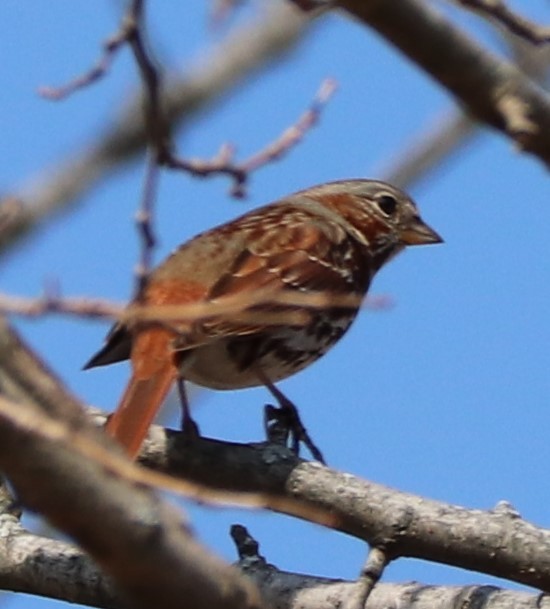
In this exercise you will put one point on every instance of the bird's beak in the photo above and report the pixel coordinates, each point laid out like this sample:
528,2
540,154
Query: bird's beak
419,233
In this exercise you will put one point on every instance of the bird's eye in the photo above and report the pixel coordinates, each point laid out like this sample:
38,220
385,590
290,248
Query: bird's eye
387,204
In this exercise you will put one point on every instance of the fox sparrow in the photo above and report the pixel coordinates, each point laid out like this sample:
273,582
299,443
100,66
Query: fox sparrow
328,239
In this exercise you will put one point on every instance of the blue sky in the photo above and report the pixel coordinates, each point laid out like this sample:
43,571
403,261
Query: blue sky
444,394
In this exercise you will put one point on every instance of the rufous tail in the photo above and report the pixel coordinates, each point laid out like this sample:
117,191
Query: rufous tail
152,376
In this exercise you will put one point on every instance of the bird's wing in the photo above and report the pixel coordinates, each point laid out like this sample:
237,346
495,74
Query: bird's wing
306,257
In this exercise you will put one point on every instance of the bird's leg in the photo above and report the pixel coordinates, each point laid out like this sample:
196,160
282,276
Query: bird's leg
297,430
188,425
276,425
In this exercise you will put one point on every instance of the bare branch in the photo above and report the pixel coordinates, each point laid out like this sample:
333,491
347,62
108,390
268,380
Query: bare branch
449,134
34,564
270,476
110,47
240,55
61,453
158,137
144,223
223,163
514,22
495,542
37,565
245,307
477,78
138,533
49,304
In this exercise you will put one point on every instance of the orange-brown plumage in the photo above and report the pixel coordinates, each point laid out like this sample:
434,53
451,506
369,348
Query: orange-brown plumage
330,238
153,369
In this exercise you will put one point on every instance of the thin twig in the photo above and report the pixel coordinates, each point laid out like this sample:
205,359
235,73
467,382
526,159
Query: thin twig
110,47
144,224
238,307
514,22
156,125
244,51
91,308
131,31
223,162
158,137
294,134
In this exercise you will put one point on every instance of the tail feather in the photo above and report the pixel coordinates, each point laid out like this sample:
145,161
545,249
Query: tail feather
152,376
137,409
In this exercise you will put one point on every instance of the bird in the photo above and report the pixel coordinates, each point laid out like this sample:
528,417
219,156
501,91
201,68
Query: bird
329,239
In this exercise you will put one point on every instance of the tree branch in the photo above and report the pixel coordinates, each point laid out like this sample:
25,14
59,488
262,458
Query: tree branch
111,46
240,171
34,564
492,90
68,472
496,542
514,22
133,535
245,51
